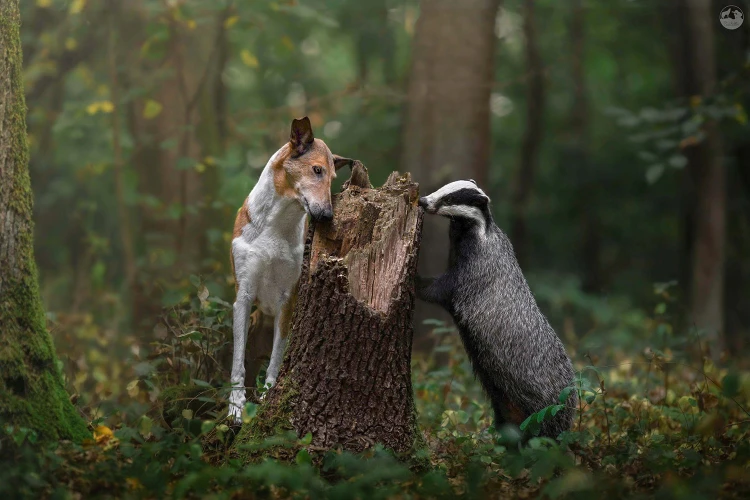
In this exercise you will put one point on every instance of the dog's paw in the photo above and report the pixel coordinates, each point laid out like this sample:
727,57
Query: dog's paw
236,404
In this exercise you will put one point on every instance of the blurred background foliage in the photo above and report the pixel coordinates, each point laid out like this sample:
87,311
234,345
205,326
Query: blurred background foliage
150,120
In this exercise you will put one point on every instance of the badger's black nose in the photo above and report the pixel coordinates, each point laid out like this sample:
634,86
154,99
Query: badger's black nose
423,202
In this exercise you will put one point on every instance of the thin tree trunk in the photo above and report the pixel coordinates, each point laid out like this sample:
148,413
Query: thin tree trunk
708,175
532,138
579,156
346,377
32,394
123,213
164,147
447,127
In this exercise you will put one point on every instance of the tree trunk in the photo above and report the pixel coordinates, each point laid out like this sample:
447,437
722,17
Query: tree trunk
708,175
447,126
189,127
346,376
532,138
578,155
118,164
31,388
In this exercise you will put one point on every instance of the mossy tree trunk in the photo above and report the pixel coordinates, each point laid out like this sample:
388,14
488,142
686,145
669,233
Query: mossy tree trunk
346,377
31,388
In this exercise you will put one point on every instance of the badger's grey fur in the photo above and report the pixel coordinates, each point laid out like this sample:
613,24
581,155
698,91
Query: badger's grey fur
516,354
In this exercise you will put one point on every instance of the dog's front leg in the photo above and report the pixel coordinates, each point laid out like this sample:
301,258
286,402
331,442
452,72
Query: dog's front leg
277,354
242,305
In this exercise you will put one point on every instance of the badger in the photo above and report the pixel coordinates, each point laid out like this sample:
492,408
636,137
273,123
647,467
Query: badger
516,355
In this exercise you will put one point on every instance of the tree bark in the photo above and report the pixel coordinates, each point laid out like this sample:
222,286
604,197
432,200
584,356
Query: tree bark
532,138
447,126
118,164
707,173
578,155
346,377
190,126
32,394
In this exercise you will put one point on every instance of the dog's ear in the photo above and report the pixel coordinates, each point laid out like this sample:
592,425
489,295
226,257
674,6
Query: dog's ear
301,137
340,161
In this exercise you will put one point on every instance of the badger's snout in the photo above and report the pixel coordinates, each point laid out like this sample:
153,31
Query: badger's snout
424,203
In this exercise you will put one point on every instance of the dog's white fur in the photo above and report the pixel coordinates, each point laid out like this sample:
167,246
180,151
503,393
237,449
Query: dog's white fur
268,244
267,262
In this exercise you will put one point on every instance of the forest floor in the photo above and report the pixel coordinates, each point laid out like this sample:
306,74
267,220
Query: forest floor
650,424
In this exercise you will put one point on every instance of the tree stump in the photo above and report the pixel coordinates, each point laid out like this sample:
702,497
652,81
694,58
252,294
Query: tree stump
346,375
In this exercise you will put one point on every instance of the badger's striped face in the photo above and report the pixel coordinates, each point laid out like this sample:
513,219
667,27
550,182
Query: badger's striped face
458,200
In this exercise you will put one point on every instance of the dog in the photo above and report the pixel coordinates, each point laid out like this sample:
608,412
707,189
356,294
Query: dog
268,243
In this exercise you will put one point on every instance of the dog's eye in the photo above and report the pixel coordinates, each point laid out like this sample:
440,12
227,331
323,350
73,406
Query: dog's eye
317,169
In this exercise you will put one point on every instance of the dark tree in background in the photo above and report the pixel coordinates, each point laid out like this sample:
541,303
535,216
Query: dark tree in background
446,133
705,184
31,387
708,175
579,158
532,137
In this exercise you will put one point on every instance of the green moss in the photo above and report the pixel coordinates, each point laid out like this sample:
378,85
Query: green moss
272,420
32,394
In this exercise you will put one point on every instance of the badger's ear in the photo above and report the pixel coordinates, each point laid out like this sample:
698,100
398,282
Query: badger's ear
473,181
340,161
301,137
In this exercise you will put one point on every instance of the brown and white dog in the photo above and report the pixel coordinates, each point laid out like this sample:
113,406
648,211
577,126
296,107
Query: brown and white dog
268,242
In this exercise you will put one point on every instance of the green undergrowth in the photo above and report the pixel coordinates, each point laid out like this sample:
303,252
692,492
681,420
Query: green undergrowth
652,423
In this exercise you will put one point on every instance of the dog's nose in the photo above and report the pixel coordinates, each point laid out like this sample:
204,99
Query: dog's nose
423,202
326,215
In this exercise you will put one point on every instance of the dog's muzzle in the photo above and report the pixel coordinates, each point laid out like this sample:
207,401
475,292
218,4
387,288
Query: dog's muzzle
321,214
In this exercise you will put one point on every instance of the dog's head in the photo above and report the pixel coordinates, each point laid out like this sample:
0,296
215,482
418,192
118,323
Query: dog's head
306,172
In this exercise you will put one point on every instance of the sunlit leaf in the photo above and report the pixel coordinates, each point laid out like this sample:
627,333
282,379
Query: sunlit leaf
151,109
76,6
248,58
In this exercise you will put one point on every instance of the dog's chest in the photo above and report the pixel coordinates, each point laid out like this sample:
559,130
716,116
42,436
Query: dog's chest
271,263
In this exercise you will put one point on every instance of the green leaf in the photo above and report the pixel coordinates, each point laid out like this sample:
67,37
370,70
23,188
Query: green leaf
541,415
207,425
202,383
660,308
730,385
151,109
565,394
195,280
654,172
527,422
251,409
303,457
677,161
185,163
307,439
